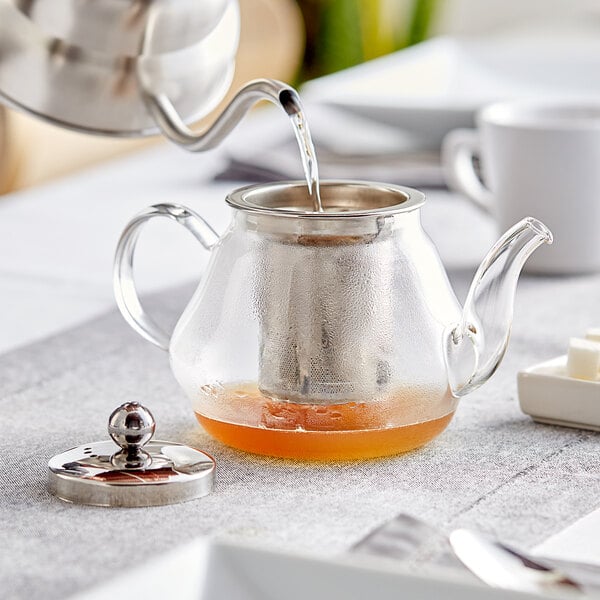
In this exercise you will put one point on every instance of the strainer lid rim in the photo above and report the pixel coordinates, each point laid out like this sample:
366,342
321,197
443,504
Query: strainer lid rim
241,199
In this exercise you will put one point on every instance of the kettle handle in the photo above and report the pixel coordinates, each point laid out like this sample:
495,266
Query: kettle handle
123,282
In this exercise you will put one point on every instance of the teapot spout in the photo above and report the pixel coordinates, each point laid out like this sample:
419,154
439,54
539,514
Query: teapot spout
476,346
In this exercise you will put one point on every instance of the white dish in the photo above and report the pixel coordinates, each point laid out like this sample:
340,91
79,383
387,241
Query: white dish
434,87
549,396
209,570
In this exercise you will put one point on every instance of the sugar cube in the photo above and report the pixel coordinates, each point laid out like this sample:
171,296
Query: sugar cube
593,334
583,359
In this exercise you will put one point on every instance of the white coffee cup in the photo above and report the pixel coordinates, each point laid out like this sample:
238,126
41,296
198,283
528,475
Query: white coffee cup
541,160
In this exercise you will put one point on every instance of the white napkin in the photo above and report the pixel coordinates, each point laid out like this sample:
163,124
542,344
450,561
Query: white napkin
579,542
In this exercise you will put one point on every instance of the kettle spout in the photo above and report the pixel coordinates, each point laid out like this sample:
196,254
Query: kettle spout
476,346
173,127
276,92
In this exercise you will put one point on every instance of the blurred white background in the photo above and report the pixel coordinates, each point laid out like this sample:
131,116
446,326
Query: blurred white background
476,16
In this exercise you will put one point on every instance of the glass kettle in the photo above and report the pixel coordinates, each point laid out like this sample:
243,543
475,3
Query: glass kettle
329,335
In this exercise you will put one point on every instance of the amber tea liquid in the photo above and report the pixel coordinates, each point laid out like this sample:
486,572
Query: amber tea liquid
258,424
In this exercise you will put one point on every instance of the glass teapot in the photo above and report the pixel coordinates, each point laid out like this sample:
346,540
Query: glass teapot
332,335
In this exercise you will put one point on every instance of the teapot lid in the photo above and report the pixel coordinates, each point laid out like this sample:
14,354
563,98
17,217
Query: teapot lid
143,472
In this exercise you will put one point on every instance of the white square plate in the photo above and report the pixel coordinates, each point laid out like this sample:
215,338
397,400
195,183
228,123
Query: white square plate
549,396
209,570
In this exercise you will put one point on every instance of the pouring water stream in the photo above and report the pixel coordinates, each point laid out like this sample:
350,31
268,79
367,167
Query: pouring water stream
309,159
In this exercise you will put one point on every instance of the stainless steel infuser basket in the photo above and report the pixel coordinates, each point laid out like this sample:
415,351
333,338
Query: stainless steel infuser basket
320,340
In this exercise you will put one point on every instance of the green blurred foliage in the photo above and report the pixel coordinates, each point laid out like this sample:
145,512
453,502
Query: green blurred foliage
344,33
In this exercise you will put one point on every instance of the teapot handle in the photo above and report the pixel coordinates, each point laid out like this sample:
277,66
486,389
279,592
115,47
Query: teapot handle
123,282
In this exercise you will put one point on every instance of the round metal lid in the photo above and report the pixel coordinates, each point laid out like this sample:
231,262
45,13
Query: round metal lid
140,473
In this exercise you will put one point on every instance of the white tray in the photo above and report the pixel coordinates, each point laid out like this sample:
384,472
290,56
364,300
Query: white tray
549,396
209,570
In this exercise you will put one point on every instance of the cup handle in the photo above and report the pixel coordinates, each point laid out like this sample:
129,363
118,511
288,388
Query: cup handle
123,282
458,150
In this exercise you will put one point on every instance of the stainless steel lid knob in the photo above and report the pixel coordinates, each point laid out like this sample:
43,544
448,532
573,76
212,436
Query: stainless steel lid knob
131,426
143,472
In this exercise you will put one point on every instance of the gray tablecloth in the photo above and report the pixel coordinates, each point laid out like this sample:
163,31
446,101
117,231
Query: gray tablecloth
493,468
